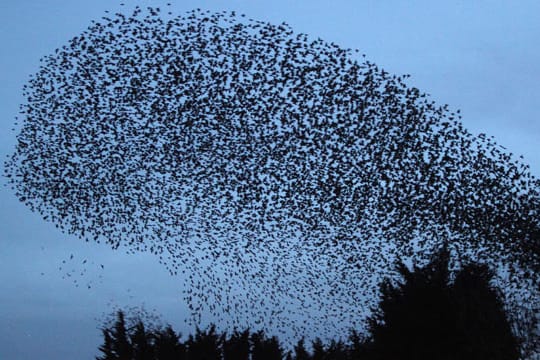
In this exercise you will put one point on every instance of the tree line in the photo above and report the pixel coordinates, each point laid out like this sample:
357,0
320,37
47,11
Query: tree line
429,313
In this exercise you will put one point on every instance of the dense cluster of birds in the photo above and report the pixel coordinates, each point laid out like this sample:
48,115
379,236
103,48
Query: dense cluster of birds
281,175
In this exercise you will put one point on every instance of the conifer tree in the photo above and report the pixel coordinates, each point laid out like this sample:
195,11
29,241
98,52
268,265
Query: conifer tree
481,320
116,344
205,345
427,316
319,352
107,347
167,345
141,342
236,347
300,351
263,348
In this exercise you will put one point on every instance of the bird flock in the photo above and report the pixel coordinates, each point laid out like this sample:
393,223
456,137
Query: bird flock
279,175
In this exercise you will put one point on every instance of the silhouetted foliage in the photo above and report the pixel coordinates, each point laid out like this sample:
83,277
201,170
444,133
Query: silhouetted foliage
205,345
428,316
319,353
167,345
117,345
107,347
141,342
481,319
237,346
300,351
357,347
337,350
264,348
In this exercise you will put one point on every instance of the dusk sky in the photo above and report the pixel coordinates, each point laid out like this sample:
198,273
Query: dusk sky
481,57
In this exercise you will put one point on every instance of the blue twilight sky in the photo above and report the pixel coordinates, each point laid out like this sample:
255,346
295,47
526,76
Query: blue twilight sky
479,56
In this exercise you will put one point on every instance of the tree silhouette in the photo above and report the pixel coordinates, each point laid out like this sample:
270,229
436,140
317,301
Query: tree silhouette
264,348
237,346
300,352
167,345
481,319
357,346
107,348
337,350
141,342
204,345
318,351
428,316
117,345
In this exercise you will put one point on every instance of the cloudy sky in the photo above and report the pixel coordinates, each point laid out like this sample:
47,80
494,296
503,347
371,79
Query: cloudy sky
481,57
